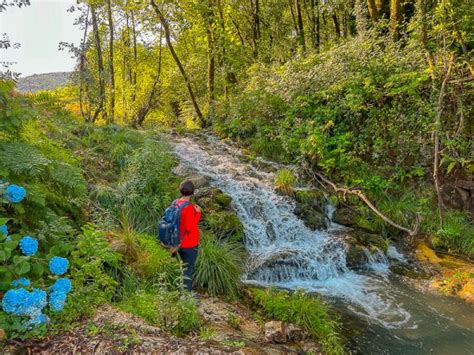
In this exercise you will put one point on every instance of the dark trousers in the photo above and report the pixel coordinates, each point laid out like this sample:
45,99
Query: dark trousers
188,256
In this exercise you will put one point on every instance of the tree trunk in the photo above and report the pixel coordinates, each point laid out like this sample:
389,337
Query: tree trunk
373,11
135,56
396,13
152,95
423,33
82,70
210,58
255,8
166,28
223,47
111,63
382,8
100,67
337,27
300,25
437,127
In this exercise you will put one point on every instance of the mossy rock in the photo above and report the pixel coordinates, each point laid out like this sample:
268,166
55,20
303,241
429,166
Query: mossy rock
223,199
355,256
314,199
225,224
312,218
212,199
346,216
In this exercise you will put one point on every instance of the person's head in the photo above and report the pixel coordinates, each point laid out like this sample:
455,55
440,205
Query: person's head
186,188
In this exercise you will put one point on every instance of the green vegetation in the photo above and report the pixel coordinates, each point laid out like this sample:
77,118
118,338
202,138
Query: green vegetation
95,194
376,98
304,310
164,309
285,181
219,265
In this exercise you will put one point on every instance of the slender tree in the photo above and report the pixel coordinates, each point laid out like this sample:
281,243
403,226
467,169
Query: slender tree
111,114
164,23
299,17
100,65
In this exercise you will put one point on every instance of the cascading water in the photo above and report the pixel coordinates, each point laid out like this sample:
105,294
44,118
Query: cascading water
283,252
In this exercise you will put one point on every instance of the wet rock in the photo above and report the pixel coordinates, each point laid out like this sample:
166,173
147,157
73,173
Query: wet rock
355,256
199,181
345,216
357,242
225,224
311,217
295,333
270,231
182,170
313,199
275,332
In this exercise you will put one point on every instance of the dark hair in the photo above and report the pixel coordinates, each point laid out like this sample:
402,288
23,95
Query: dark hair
186,188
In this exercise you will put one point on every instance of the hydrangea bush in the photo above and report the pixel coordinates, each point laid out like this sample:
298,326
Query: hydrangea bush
29,292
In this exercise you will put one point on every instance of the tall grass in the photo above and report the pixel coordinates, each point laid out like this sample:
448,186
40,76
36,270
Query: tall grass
304,310
218,266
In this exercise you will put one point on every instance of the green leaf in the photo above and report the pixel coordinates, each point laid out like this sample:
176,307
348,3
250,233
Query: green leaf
3,221
10,245
38,269
451,166
23,268
55,250
3,256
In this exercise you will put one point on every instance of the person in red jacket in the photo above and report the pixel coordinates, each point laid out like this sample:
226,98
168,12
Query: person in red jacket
189,232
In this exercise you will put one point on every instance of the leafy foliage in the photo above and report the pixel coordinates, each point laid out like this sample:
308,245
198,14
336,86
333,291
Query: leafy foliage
304,310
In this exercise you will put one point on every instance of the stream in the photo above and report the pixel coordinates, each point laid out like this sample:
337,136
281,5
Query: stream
390,316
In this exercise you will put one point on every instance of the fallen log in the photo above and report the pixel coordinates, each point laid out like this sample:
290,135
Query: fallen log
344,190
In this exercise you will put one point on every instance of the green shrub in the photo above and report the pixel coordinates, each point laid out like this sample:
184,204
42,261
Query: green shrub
147,186
155,263
285,180
218,266
169,310
457,232
304,310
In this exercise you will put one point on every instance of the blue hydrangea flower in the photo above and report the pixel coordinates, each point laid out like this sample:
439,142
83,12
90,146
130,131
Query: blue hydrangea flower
57,301
22,281
15,193
28,245
39,319
20,302
58,265
4,230
61,285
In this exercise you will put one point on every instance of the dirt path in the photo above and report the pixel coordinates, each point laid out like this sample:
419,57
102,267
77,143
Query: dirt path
230,329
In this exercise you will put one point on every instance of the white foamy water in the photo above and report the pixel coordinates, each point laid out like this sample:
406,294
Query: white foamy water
283,252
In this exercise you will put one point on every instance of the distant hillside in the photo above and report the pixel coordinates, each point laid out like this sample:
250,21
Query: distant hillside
46,81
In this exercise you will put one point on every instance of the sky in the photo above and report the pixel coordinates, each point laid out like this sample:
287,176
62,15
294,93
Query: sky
39,28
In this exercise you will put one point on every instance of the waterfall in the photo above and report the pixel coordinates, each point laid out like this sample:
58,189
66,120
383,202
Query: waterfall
283,252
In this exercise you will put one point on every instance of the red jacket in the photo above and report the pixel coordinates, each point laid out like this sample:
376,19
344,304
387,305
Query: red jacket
188,225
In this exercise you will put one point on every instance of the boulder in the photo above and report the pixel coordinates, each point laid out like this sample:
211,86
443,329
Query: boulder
345,216
355,255
313,199
295,333
270,230
357,242
311,217
182,170
199,181
275,332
